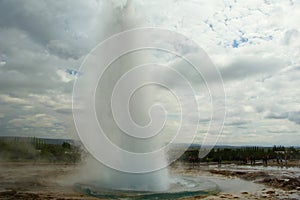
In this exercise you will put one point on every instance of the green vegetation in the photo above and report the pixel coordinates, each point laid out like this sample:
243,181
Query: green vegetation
36,149
244,154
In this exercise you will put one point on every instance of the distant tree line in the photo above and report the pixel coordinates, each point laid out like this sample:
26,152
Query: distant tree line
242,154
36,149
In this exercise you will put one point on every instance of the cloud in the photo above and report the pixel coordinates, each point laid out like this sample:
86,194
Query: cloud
42,124
59,28
67,75
38,41
4,98
35,121
3,60
236,122
64,111
291,36
294,117
272,115
244,67
254,44
53,101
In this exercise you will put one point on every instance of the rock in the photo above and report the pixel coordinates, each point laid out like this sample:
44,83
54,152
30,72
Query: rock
8,193
264,196
270,192
292,191
287,184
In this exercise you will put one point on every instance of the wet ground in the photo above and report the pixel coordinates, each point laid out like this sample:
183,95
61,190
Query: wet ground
37,181
52,181
247,182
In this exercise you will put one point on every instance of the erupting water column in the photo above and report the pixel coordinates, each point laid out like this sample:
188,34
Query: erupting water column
116,117
139,105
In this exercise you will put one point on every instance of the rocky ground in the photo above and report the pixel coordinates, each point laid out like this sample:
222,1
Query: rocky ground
246,182
49,181
22,181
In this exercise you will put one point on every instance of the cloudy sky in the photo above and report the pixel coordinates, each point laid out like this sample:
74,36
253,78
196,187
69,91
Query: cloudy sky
254,44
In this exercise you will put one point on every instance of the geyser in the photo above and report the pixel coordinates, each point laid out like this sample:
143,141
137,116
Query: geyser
139,105
118,119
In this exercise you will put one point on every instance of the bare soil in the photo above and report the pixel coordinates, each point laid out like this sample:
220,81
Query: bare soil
51,181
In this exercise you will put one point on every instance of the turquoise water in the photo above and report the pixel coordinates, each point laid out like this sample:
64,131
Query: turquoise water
180,187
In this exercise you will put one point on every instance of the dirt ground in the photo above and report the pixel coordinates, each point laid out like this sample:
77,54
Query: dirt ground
36,181
45,181
245,182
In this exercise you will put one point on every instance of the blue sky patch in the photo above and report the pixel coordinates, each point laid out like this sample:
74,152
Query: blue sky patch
73,72
236,43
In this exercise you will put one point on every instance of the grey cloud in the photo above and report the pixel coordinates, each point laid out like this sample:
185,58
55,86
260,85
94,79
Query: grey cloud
65,31
64,111
251,66
290,36
272,115
235,121
294,117
64,50
239,69
259,108
242,127
40,37
281,131
50,23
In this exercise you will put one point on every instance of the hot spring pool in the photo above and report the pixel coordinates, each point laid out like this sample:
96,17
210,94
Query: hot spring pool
181,186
